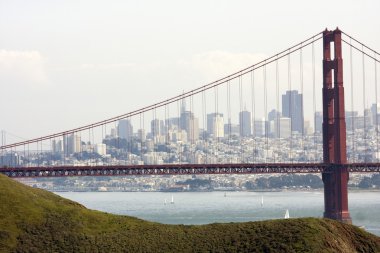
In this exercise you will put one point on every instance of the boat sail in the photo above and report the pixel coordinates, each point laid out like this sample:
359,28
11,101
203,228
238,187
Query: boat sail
287,214
172,202
262,201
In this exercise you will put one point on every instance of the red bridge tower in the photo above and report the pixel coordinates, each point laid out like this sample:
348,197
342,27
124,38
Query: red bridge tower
335,178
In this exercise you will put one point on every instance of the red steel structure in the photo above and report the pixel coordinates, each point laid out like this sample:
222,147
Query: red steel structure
334,129
185,169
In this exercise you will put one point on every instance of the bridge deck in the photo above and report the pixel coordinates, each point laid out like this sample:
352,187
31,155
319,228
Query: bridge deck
184,169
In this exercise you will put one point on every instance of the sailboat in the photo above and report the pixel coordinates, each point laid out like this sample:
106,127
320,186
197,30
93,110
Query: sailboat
172,202
262,201
225,194
287,214
165,202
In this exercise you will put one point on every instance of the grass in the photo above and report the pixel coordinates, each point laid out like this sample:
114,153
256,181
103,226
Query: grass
34,220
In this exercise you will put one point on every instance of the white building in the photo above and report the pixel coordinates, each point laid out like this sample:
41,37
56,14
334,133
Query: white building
215,125
101,149
72,144
259,127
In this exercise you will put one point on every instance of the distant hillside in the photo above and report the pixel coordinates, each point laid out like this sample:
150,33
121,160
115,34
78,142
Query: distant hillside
33,220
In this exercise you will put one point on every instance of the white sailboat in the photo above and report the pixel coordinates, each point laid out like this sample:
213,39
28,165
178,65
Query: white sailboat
165,202
225,194
262,201
172,202
287,214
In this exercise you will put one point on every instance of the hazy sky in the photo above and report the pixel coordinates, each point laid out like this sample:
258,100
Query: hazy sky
68,63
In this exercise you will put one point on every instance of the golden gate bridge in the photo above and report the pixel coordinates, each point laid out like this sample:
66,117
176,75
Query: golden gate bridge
263,142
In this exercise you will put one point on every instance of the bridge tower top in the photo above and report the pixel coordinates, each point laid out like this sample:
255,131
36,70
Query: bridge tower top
334,131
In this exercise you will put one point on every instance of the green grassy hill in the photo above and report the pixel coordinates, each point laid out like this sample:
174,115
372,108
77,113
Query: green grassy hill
33,220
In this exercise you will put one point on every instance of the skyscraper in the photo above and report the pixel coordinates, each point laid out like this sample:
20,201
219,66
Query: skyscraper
259,127
157,127
245,123
125,129
318,117
190,124
292,108
72,144
215,125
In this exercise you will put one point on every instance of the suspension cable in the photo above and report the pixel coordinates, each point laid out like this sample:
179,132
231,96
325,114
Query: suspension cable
362,44
218,82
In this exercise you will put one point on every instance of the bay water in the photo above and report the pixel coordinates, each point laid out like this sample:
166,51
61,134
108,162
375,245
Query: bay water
223,207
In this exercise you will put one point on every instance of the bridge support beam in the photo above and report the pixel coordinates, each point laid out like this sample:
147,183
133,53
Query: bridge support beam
335,179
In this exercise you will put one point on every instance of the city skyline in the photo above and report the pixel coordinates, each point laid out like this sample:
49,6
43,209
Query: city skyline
117,68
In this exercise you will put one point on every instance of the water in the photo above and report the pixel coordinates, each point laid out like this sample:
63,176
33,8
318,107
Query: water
211,207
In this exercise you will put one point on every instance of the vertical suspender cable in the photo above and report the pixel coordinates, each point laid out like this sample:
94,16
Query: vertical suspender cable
253,114
204,118
314,101
167,144
215,123
377,122
38,155
193,125
241,120
143,133
24,156
117,144
352,108
154,133
229,117
141,137
364,110
277,121
302,109
265,111
179,131
290,108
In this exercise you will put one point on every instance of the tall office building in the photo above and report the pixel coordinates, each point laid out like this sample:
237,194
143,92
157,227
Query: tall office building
72,144
141,135
101,149
56,146
231,129
190,124
157,127
284,126
125,129
318,117
292,108
245,123
259,127
215,125
274,114
375,109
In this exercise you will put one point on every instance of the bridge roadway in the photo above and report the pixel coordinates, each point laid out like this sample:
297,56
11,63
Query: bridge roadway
183,169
